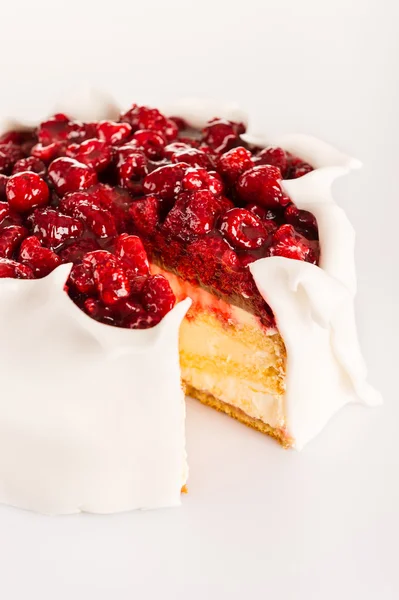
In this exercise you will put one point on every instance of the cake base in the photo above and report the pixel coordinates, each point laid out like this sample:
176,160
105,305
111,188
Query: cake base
238,414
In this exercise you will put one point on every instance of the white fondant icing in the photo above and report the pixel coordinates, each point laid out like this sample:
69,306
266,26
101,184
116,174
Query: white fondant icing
91,416
84,423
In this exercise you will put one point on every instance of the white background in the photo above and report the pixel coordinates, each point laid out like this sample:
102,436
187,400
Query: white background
258,521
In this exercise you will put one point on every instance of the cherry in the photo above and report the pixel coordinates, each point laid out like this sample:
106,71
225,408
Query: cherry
10,239
145,214
289,243
152,143
26,191
30,164
41,260
261,185
93,153
233,163
14,270
243,229
275,156
53,228
157,296
69,175
222,135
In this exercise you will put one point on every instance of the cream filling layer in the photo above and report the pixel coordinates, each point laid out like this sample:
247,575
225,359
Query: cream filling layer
223,358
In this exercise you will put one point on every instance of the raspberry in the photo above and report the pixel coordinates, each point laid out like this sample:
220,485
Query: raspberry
41,260
275,156
233,163
130,250
26,191
165,181
146,214
152,143
222,135
10,239
53,228
243,229
30,164
261,185
113,133
289,243
193,157
157,296
81,206
10,268
93,153
9,155
69,175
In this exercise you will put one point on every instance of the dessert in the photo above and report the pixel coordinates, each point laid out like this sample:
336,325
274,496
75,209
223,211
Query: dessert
129,215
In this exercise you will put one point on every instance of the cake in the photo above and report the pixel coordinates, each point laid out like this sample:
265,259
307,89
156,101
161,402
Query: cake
135,241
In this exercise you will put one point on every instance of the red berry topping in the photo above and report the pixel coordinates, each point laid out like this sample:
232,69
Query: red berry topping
233,163
142,117
193,157
303,221
200,179
275,156
175,147
222,135
145,214
10,239
75,252
41,260
54,129
289,243
30,164
49,152
93,153
96,310
157,296
243,229
132,167
10,268
81,206
165,181
152,143
9,155
113,133
3,183
26,191
110,278
130,250
53,228
81,278
193,214
69,175
261,185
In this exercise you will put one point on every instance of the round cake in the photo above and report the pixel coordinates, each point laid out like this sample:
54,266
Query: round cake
143,252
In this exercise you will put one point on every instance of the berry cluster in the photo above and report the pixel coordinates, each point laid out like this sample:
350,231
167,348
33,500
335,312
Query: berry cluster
103,195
